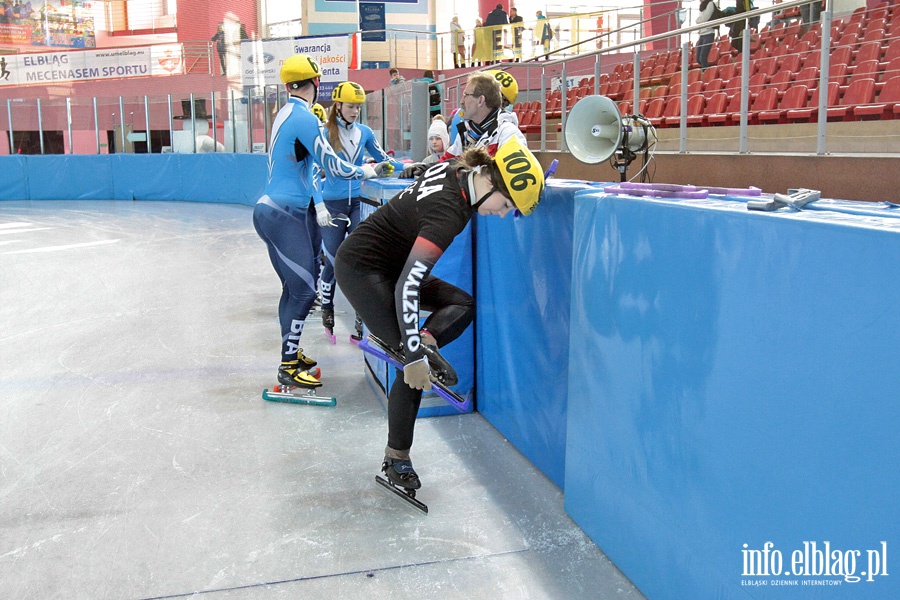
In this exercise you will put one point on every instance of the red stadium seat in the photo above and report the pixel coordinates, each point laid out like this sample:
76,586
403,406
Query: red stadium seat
694,108
811,112
795,98
861,91
883,107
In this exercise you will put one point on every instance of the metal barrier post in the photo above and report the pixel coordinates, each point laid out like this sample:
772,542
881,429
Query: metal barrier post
69,121
564,92
193,128
12,144
682,124
171,127
824,68
122,122
745,86
212,100
40,124
96,127
147,123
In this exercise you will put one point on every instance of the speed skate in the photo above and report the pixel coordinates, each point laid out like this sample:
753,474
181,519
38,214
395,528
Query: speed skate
372,345
408,495
299,395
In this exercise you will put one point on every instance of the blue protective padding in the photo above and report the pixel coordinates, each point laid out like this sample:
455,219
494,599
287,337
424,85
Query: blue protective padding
68,177
454,266
13,178
139,177
523,281
733,383
214,177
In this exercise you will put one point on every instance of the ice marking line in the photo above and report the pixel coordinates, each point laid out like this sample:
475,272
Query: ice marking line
325,576
14,224
17,231
67,247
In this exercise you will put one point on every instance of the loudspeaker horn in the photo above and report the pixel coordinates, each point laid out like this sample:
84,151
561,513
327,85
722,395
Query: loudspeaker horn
593,130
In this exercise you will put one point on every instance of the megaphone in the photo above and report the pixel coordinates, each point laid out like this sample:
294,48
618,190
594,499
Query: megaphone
595,131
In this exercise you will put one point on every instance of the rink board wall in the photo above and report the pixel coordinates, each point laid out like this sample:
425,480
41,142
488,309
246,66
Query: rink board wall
733,382
695,376
226,178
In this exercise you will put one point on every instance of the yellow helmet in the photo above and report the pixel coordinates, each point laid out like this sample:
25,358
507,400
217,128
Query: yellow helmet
522,174
509,87
299,67
318,110
349,92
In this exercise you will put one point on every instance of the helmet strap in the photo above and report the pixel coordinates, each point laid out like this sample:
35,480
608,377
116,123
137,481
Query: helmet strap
477,203
340,113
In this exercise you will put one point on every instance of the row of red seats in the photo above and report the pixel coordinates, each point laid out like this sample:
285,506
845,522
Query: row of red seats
859,77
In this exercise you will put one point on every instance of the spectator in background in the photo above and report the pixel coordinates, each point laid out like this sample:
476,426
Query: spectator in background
543,33
736,29
479,32
434,94
219,40
396,77
458,39
496,18
708,8
517,27
438,140
809,14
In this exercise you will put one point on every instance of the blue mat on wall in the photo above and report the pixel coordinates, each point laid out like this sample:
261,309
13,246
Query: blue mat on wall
733,386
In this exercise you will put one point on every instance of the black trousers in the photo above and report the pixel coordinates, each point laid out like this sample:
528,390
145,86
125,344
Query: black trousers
371,294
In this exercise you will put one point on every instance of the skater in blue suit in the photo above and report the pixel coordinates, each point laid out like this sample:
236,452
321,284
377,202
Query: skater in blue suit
338,215
298,142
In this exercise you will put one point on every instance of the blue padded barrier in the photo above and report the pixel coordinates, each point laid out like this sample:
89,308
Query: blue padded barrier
218,177
454,266
13,177
733,384
523,334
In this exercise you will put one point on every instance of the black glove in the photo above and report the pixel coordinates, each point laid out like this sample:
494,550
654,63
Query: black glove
413,171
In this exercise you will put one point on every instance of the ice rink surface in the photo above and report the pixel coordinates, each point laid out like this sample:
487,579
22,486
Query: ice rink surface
138,460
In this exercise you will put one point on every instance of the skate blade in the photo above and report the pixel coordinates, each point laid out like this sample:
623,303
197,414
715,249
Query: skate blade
330,335
296,395
376,348
402,493
355,340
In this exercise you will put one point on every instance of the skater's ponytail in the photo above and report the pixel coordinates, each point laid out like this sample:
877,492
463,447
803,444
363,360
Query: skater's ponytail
474,157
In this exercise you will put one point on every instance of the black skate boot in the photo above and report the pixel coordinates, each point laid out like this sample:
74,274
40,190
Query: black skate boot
401,473
328,322
442,370
358,336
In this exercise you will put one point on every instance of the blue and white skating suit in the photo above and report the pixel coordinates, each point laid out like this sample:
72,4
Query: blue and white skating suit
298,142
342,197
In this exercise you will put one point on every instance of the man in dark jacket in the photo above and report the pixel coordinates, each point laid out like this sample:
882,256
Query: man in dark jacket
495,18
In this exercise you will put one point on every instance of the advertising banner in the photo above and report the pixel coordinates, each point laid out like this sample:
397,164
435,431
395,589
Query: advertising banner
83,65
261,59
67,23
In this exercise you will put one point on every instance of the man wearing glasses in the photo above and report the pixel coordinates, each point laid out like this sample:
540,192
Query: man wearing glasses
484,125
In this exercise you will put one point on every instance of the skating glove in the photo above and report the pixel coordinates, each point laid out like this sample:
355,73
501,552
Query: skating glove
323,217
384,169
417,375
368,171
413,171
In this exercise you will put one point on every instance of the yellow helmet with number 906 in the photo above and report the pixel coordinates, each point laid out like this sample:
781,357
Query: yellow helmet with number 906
522,174
509,87
298,68
349,92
